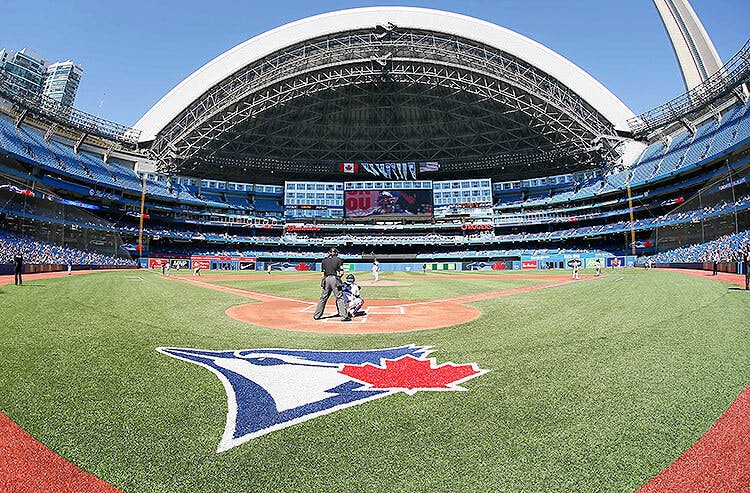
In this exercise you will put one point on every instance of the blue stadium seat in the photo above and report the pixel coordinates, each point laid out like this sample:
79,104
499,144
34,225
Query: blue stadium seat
673,158
701,144
743,128
267,205
238,201
725,134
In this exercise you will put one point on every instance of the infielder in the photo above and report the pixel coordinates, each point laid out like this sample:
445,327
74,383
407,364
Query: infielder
352,295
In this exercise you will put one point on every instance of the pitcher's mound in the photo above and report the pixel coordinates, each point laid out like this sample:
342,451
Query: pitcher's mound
384,283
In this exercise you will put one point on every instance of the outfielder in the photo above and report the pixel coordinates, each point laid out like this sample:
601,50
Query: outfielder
376,270
354,301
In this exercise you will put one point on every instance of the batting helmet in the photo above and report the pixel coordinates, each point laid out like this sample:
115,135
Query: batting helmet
350,278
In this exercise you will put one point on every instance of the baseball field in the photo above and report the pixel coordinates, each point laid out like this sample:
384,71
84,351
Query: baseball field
553,385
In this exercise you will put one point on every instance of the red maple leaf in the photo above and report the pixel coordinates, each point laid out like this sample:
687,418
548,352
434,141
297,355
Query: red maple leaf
411,374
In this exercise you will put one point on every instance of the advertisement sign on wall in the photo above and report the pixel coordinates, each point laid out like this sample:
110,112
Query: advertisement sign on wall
529,264
199,263
156,263
180,263
296,266
487,265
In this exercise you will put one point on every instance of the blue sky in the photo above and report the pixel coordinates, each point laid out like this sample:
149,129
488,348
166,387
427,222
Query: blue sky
134,52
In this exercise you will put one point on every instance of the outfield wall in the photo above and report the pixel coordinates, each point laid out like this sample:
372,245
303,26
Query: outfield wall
728,267
524,262
7,269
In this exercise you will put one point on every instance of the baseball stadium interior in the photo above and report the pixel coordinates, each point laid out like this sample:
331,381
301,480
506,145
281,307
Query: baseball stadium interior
287,273
417,140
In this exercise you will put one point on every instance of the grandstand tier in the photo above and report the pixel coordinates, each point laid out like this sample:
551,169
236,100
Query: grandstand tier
683,183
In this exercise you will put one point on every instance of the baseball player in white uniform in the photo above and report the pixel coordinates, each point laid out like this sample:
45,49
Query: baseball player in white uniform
376,270
354,301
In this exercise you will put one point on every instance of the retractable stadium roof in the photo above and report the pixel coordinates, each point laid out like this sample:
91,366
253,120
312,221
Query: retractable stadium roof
385,84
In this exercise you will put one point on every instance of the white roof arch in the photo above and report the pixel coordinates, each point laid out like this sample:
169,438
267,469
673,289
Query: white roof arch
229,62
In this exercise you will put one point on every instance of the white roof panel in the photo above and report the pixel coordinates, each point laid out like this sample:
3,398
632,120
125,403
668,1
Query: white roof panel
221,67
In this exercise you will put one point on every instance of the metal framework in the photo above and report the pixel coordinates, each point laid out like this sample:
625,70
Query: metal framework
729,80
383,95
52,111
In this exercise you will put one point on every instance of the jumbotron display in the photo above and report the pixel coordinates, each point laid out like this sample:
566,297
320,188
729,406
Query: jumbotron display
387,199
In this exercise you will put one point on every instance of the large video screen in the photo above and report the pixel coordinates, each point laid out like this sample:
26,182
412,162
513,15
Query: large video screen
388,202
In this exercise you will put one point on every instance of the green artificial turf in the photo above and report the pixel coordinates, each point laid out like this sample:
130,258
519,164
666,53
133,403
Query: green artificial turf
414,286
593,386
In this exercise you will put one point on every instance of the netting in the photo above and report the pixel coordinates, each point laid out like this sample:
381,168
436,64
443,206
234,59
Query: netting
720,208
56,230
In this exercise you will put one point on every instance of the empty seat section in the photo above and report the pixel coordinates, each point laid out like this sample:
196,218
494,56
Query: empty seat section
701,144
725,134
673,158
238,201
743,128
72,164
10,138
267,205
648,163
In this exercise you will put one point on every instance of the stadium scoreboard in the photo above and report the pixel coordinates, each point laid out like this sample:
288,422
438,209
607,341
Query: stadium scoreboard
468,198
375,199
311,200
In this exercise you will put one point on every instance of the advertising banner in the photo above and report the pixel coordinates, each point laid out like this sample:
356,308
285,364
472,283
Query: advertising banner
243,265
211,257
389,203
200,263
616,262
296,266
591,263
155,263
529,264
180,263
487,265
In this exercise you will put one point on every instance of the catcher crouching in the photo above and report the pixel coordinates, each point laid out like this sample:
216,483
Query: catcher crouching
352,295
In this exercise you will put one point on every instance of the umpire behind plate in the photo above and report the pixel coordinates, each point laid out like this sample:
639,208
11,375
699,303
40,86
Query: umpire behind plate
333,268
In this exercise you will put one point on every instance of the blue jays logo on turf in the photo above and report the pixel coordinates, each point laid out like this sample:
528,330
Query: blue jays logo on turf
271,389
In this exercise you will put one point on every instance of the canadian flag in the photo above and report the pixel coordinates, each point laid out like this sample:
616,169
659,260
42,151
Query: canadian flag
349,167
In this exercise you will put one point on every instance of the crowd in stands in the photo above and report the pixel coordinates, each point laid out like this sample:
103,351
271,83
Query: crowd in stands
36,251
405,236
728,248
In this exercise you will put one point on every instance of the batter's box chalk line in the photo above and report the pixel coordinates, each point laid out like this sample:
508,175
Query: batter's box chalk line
385,310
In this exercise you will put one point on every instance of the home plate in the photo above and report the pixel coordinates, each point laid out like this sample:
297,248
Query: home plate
334,318
385,310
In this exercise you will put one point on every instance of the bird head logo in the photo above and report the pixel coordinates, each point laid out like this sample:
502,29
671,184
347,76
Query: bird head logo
271,389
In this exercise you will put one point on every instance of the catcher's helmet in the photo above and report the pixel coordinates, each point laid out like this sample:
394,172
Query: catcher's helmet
350,278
